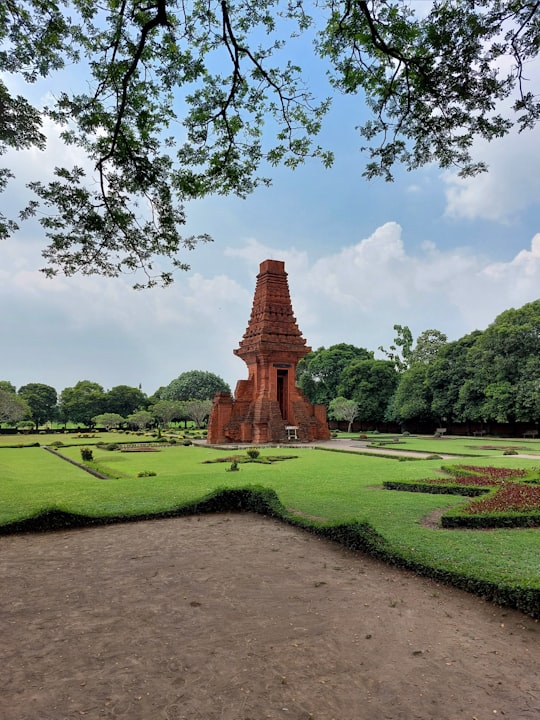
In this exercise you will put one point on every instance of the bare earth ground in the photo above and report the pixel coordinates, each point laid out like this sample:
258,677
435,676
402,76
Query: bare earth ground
237,617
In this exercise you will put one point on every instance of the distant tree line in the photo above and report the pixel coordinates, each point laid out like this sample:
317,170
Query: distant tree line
489,377
188,397
485,378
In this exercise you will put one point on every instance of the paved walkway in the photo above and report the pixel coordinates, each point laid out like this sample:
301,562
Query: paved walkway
351,445
345,444
362,446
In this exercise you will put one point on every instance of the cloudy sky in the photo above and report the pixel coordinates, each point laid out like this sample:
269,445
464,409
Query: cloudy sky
427,251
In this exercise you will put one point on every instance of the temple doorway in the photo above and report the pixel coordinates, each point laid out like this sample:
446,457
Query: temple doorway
282,392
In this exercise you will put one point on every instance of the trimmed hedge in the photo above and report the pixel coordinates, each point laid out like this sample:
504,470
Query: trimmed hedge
355,535
484,522
436,489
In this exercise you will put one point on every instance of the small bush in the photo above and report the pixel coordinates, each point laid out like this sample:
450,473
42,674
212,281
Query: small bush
234,466
146,473
57,444
510,451
87,454
172,441
187,442
112,446
253,453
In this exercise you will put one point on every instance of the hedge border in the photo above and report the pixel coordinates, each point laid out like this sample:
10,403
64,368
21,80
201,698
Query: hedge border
436,489
492,521
355,535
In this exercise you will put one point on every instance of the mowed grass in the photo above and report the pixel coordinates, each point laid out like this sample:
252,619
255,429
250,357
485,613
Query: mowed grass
89,438
331,487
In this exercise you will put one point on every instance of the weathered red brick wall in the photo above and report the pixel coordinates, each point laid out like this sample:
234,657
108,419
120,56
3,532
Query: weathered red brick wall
269,401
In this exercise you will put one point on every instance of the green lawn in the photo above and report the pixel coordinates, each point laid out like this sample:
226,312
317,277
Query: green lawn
335,487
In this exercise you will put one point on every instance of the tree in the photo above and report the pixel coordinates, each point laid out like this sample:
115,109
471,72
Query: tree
12,407
433,82
412,399
124,400
41,400
400,353
503,366
108,420
82,402
371,384
428,345
141,419
447,374
198,410
7,386
319,373
165,411
194,385
527,391
342,409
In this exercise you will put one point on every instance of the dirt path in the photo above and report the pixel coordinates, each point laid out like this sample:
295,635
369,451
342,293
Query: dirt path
238,617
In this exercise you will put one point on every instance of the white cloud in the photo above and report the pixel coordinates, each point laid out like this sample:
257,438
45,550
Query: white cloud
69,329
511,184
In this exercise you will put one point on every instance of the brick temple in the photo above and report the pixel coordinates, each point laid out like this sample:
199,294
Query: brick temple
268,407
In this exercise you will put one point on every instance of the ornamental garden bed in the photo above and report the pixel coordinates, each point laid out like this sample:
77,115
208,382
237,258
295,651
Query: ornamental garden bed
511,496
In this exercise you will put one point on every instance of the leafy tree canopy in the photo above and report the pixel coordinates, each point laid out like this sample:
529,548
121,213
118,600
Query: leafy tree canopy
198,410
342,409
12,407
175,100
82,402
124,400
165,411
371,384
319,372
412,399
194,385
140,419
41,400
108,420
400,353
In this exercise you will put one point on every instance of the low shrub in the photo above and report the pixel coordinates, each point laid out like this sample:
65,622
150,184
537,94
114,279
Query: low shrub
146,473
233,467
187,442
253,453
86,454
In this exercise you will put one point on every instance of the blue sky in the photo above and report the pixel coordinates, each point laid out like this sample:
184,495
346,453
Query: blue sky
427,251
